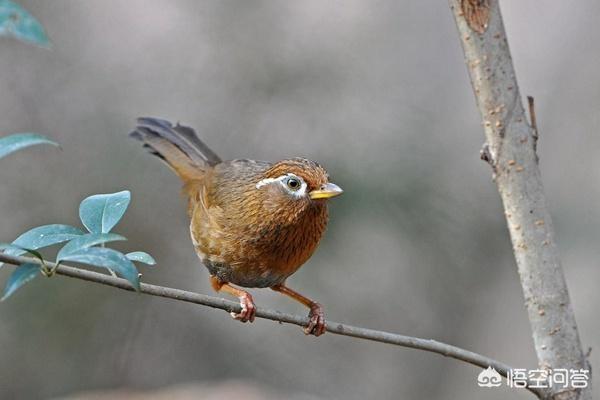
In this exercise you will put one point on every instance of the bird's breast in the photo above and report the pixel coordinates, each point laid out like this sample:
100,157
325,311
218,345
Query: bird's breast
257,251
289,245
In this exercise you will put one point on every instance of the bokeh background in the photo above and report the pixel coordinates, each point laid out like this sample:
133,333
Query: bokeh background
377,91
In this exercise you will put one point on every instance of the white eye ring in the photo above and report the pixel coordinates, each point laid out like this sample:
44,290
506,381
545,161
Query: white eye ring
284,180
265,182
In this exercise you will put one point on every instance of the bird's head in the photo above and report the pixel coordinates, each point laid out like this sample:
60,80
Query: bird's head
297,182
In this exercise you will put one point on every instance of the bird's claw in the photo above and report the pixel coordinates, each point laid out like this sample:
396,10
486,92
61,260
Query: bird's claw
248,309
316,321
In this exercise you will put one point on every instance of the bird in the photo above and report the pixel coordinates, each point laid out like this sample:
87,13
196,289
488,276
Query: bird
252,223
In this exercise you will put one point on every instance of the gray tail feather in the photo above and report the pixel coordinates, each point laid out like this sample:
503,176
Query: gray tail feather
182,137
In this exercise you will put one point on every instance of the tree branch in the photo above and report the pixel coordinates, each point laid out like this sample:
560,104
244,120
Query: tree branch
511,144
230,306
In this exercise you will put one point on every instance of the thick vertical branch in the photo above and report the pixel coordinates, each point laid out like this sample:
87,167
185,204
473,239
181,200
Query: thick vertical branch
511,151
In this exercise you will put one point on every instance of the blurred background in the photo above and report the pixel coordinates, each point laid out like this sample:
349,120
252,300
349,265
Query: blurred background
377,91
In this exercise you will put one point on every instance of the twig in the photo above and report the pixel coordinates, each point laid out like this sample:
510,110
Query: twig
336,328
532,117
534,127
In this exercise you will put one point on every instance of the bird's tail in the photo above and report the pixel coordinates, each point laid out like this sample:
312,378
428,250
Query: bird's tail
178,146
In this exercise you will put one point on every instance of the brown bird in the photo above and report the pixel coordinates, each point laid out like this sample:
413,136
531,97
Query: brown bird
253,223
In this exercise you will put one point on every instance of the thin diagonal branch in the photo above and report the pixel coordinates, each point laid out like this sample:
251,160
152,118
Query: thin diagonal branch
336,328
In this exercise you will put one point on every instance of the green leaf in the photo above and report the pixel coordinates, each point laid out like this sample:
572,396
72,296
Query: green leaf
107,258
12,249
32,252
4,246
20,276
17,22
15,250
43,236
101,212
11,143
85,241
142,257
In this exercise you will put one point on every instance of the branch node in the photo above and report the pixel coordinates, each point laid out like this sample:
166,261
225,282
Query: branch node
476,13
486,155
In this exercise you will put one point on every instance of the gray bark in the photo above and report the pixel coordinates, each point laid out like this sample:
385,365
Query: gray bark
511,151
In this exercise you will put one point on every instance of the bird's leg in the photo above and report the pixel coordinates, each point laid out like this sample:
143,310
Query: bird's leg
316,317
248,308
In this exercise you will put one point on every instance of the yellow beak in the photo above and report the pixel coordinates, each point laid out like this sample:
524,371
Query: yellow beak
327,191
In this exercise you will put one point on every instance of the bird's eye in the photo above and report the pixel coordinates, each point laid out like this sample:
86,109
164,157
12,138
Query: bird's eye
293,183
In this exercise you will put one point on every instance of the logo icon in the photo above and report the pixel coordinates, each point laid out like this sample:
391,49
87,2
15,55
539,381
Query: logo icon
489,378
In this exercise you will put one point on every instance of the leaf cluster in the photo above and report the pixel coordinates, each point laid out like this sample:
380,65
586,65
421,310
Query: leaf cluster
99,214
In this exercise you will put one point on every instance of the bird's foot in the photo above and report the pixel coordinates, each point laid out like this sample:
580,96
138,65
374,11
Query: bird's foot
248,309
316,320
